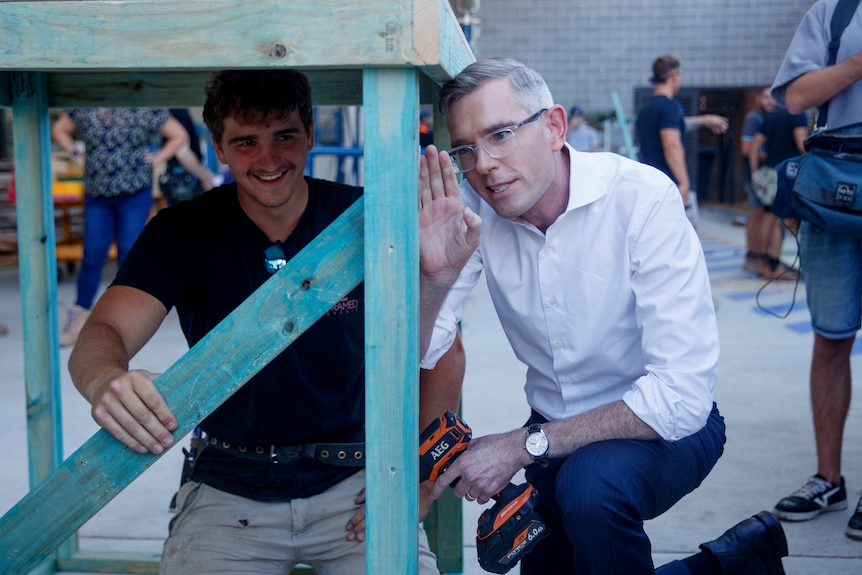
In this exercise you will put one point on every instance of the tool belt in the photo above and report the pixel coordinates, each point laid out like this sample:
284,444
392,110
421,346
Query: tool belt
339,454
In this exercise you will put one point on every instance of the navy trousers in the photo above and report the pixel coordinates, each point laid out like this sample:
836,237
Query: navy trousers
596,500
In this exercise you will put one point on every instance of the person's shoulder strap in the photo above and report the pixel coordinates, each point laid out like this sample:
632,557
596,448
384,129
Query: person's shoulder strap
844,11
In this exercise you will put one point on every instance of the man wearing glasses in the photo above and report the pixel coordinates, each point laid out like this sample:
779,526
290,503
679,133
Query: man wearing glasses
600,284
280,476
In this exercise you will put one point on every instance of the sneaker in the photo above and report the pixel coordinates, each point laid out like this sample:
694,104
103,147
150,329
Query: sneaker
854,527
74,322
815,497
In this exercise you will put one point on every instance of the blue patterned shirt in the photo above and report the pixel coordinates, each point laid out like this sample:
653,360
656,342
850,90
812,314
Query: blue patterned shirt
116,140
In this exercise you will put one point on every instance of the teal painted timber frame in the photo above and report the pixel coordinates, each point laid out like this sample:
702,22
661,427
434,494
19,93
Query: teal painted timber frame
387,56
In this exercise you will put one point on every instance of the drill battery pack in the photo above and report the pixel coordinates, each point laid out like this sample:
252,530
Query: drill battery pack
509,529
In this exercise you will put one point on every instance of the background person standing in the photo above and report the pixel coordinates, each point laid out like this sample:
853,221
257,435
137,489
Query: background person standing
755,246
118,186
832,262
781,136
661,126
581,136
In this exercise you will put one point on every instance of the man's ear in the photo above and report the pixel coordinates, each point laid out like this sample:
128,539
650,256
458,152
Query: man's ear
557,126
217,148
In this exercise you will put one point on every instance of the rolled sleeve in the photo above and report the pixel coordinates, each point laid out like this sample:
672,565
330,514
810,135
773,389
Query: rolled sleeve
680,334
807,51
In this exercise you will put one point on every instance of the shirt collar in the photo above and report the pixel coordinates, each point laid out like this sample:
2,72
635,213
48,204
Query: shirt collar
586,185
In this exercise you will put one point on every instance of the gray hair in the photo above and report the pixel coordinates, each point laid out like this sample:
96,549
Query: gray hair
530,88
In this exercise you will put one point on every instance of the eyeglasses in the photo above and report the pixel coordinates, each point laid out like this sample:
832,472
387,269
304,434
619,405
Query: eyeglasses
273,258
498,144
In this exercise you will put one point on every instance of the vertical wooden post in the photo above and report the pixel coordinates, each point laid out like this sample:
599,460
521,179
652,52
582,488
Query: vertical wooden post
38,273
391,108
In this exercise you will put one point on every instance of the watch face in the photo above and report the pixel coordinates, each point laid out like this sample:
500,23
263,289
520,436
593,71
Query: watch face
537,444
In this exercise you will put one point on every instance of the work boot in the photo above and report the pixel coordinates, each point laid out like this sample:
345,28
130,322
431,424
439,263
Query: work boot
752,547
74,322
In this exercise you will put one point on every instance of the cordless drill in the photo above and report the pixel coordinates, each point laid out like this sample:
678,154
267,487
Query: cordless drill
507,530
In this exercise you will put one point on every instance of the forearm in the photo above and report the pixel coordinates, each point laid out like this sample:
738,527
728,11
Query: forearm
65,142
120,324
169,149
754,153
799,136
694,121
613,421
175,137
754,157
432,294
98,357
565,436
440,388
819,86
717,124
675,157
188,160
63,131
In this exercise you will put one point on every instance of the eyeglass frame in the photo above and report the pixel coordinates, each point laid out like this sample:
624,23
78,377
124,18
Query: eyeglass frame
475,147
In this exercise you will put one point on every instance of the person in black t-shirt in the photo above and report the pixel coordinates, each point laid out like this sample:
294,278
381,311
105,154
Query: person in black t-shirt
661,124
268,490
781,136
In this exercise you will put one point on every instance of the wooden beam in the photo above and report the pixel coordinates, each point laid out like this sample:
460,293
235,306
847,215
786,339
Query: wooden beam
126,562
441,50
183,89
203,34
391,292
165,35
255,332
179,89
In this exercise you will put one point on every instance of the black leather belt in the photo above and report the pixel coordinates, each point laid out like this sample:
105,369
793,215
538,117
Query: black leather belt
340,454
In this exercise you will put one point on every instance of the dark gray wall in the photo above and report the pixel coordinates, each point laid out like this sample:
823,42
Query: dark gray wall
585,49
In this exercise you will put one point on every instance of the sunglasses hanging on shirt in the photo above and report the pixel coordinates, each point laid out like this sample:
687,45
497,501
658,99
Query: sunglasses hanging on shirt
273,258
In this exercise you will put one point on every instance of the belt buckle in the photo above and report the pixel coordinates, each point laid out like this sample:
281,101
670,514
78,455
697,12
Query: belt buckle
273,454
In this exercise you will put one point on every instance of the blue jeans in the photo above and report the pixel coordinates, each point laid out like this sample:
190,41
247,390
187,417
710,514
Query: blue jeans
107,219
596,500
832,264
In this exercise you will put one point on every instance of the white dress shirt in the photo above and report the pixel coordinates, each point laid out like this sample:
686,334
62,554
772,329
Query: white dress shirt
612,302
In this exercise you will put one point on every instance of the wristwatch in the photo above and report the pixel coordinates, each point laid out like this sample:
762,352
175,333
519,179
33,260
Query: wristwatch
536,444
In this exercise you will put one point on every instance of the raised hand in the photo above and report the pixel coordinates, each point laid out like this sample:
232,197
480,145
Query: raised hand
448,232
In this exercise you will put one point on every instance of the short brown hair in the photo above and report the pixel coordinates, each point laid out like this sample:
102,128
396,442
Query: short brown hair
663,67
254,94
